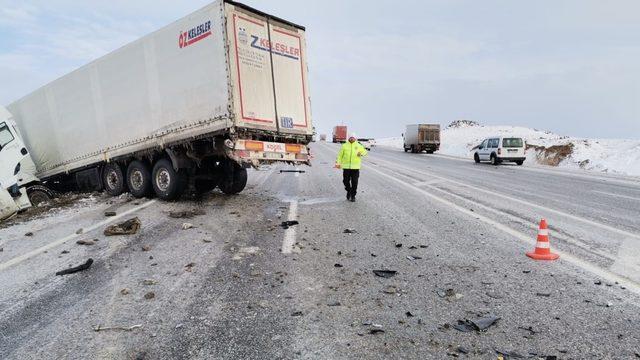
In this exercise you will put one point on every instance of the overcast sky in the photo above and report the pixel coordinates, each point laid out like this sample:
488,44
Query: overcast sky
572,67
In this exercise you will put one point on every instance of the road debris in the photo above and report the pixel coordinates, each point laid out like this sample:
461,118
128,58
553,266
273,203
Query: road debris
349,231
150,295
76,269
336,265
149,282
296,313
128,227
449,294
125,328
390,290
186,214
28,234
385,273
146,247
86,242
79,231
409,314
376,331
411,257
543,294
189,266
109,213
481,324
398,245
288,223
125,291
334,303
64,252
187,226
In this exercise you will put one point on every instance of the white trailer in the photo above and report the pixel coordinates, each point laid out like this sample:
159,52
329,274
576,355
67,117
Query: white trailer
188,106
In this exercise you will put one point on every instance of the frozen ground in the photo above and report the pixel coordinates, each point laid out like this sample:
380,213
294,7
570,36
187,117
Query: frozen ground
616,156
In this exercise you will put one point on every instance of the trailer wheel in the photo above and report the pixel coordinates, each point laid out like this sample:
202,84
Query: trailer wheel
139,179
113,179
168,184
237,183
39,194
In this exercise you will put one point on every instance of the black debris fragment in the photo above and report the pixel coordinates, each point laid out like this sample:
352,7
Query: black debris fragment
462,350
481,324
411,257
598,282
376,331
349,231
398,245
334,303
76,269
543,294
337,265
29,234
409,314
186,214
413,247
109,213
385,273
296,313
288,223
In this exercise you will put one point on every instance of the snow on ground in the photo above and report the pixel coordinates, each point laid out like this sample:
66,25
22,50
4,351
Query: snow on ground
544,147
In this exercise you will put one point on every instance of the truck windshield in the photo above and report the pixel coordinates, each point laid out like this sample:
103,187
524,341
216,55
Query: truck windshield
5,135
512,142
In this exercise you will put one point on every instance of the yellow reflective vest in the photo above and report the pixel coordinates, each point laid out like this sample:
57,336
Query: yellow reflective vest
348,156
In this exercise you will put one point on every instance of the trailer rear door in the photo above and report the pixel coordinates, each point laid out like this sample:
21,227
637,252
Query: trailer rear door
268,72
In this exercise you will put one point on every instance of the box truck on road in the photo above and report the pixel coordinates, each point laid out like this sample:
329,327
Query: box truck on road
422,137
190,106
339,134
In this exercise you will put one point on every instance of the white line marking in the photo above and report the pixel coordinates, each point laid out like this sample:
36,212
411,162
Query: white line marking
616,195
290,234
558,212
631,285
29,255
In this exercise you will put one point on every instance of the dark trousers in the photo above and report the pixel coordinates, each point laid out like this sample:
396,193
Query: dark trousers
350,181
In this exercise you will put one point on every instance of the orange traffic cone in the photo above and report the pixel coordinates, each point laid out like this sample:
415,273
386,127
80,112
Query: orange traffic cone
543,249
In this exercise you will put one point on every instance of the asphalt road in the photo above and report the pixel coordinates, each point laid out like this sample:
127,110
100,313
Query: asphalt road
237,285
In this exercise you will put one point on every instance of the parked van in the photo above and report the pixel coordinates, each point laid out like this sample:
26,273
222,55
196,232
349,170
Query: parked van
498,149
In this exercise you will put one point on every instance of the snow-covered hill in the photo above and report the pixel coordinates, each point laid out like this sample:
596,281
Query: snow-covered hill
545,148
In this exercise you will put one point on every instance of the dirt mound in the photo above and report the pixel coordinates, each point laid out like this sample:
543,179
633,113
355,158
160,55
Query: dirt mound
462,123
552,155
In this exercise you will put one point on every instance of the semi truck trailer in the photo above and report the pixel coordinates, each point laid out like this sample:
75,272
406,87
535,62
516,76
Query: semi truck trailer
422,137
339,134
188,107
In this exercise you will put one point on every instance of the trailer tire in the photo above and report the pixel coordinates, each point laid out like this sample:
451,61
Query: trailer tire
168,184
113,180
39,194
139,179
237,184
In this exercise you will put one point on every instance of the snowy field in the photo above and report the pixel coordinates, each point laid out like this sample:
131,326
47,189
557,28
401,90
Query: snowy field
544,148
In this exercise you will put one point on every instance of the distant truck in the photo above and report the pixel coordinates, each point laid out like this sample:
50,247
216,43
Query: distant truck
422,137
188,107
323,137
339,134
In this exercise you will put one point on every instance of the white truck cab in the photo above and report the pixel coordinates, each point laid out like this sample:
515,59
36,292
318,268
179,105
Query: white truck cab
16,168
499,149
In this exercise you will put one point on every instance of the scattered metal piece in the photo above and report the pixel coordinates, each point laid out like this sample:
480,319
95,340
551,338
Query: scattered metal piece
76,269
128,227
411,257
125,328
86,242
337,265
385,273
349,231
109,213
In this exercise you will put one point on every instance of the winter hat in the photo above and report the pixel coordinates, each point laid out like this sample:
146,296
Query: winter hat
353,135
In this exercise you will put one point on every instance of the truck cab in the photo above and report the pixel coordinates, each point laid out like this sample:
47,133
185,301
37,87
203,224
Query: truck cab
16,168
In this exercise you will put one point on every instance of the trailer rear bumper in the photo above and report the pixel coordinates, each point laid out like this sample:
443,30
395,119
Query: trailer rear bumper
256,152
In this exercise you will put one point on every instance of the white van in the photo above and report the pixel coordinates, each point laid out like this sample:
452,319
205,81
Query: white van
498,149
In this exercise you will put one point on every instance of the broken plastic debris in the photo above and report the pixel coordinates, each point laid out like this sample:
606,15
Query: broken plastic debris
385,273
187,226
286,224
109,213
86,242
75,269
481,324
349,231
128,227
411,257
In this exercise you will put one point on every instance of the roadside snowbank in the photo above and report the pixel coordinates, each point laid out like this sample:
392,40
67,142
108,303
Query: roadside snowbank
544,148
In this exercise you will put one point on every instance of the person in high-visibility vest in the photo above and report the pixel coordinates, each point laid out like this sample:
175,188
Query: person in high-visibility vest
349,160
